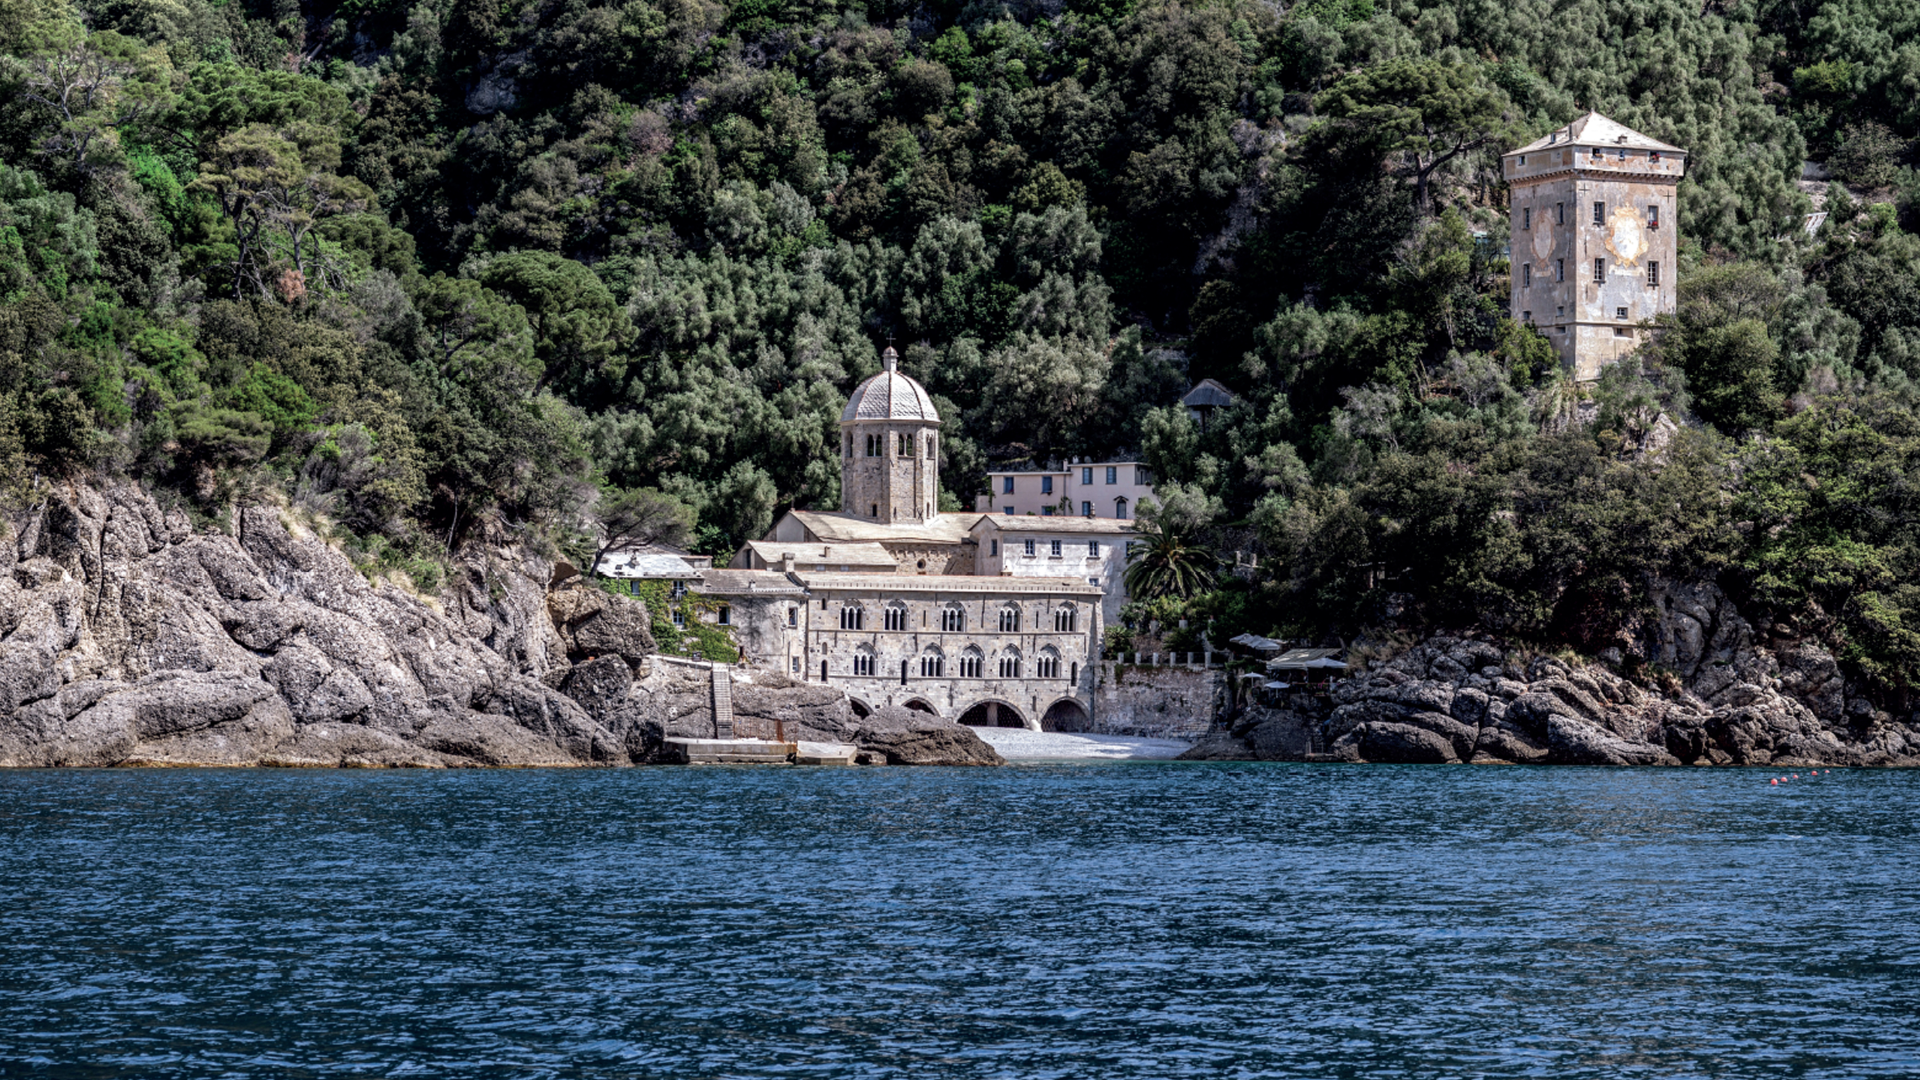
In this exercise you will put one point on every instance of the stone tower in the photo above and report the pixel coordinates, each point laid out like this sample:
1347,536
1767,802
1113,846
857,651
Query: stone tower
1594,239
890,449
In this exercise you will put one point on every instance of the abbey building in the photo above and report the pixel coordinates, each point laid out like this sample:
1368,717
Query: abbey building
986,618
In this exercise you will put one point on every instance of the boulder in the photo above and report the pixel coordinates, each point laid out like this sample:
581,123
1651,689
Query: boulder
910,737
1405,744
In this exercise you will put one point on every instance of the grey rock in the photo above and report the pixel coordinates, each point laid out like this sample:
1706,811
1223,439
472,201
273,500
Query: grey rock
26,674
909,737
599,686
1406,744
1219,746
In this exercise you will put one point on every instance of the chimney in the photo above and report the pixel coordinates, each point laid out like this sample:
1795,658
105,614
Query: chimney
786,562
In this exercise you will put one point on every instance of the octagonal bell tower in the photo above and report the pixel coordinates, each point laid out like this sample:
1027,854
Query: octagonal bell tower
890,449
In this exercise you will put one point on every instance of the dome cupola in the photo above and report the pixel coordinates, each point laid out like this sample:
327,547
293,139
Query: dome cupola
889,449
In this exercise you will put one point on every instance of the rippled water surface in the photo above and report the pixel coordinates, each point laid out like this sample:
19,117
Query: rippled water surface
1149,920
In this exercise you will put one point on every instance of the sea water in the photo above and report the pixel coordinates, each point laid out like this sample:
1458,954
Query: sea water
1150,920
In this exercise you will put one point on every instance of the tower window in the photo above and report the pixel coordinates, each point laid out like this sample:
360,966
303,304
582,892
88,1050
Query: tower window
1599,213
1653,215
1559,269
1526,219
1599,271
1526,275
1653,274
903,446
1559,213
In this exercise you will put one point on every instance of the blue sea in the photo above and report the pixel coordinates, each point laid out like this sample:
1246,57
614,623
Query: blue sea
1150,920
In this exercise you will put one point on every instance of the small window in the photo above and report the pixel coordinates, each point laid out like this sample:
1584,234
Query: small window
1064,620
1526,275
970,666
1527,317
823,671
1086,475
1010,620
679,618
862,663
1653,274
903,445
1559,269
1093,549
896,618
1086,509
1046,511
1009,666
849,444
1521,160
1599,211
1120,509
1619,331
793,618
1599,271
793,664
1142,476
1048,667
1653,215
993,547
1046,485
1526,219
1006,510
725,615
1559,213
1622,155
853,617
1029,548
1113,474
953,621
873,510
933,666
1006,485
1619,313
1654,157
930,444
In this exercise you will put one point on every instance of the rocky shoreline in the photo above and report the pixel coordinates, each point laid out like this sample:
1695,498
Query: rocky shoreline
1448,699
128,637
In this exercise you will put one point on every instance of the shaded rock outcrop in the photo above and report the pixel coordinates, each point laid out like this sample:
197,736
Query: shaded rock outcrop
128,637
1726,700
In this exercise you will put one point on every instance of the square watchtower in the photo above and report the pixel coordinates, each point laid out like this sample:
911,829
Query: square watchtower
1594,238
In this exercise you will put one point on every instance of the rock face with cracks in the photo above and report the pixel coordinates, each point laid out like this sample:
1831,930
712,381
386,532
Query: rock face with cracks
127,637
1728,700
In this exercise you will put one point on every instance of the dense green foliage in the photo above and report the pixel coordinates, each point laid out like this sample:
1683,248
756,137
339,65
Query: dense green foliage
432,266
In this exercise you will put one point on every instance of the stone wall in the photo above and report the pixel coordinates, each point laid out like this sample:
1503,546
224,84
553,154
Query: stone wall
1184,702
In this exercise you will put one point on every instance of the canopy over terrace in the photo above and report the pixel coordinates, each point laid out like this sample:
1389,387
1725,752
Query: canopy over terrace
1306,660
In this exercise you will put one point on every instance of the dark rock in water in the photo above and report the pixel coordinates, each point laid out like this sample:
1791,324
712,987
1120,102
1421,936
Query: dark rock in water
1220,746
910,737
1405,744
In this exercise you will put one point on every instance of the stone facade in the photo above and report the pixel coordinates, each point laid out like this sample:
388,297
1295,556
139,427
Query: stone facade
1090,549
1171,702
1594,238
949,645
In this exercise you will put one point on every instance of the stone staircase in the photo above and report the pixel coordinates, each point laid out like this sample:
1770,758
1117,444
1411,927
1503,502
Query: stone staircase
722,701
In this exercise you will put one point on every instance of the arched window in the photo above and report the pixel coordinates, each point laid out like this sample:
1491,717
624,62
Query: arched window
853,617
849,444
1010,663
1048,665
823,671
953,620
933,664
896,616
863,661
970,663
1064,619
1120,508
1010,619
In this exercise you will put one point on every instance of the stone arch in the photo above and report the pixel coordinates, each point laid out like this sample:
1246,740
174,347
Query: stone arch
1066,714
920,704
993,712
861,709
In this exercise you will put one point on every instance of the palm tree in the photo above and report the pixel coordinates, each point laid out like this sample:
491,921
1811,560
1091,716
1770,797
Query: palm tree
1166,562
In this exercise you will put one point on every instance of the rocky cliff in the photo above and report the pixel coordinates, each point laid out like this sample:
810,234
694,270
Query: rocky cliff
1712,690
127,637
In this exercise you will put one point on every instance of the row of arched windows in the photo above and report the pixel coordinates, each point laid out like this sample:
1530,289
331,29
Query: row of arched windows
953,618
932,664
875,445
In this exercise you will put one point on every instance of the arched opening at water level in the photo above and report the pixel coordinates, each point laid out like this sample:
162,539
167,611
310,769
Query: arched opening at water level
993,714
1066,715
921,705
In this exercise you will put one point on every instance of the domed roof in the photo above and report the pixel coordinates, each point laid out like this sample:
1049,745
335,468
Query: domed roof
889,396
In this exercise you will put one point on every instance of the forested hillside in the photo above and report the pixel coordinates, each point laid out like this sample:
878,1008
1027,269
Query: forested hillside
431,267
